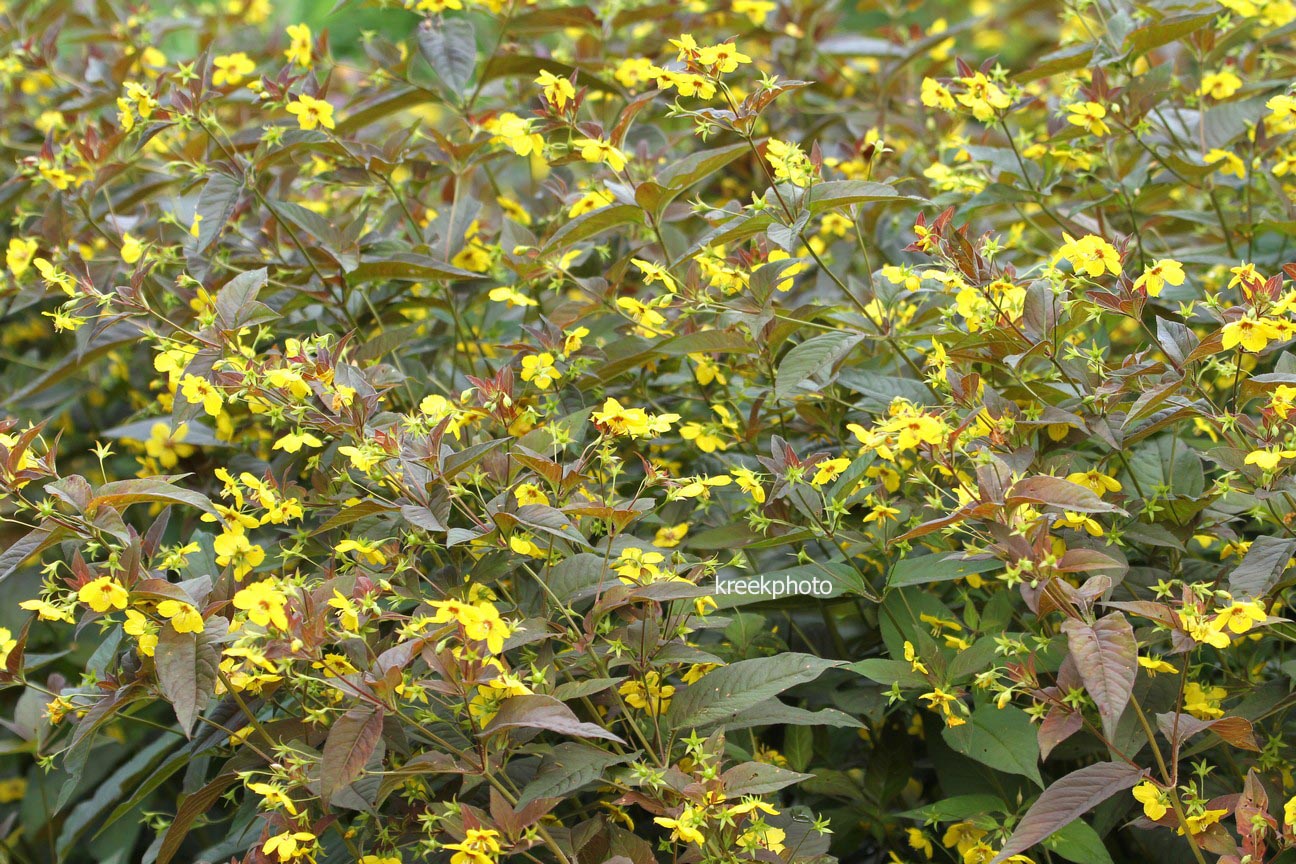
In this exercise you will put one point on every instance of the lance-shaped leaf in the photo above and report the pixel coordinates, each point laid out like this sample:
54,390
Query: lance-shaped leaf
1261,567
151,490
1106,656
539,711
1044,490
190,808
809,358
758,778
1067,800
725,692
1002,738
1237,731
186,669
449,46
568,767
350,742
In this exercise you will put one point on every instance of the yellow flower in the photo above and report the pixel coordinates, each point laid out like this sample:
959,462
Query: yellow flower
1267,460
369,550
596,150
982,96
670,536
144,631
18,256
515,132
631,422
311,112
557,91
132,249
637,567
911,656
364,457
183,616
1229,162
264,604
294,441
936,95
649,695
274,796
200,391
1091,255
950,706
7,644
1240,617
1088,116
484,624
529,493
790,163
1201,821
829,470
479,846
1166,271
1154,801
724,58
103,594
963,836
539,370
231,69
290,846
1219,85
1204,702
919,842
1250,333
511,296
348,613
1155,665
299,45
233,547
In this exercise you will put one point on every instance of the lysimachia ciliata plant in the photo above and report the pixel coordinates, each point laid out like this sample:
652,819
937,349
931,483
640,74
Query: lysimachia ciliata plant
392,396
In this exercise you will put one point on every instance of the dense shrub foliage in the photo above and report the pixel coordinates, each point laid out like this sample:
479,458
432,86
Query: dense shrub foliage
752,431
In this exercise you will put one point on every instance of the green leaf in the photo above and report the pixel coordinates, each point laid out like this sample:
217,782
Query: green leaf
350,743
88,813
407,267
595,222
449,45
1003,738
1079,843
1262,567
656,196
190,809
723,693
236,303
798,746
773,712
926,569
1158,33
811,357
216,203
889,672
707,342
957,808
32,543
758,778
567,768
